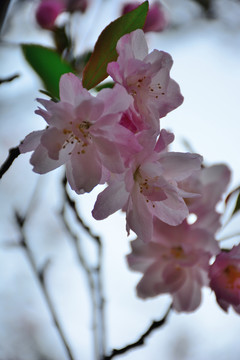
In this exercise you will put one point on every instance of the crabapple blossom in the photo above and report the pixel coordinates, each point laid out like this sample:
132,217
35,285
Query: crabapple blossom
156,18
210,183
149,187
84,133
225,278
146,77
175,261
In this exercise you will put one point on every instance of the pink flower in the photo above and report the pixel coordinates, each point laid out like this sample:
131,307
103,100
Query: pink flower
48,11
84,133
225,278
156,19
210,182
133,121
146,77
149,187
175,261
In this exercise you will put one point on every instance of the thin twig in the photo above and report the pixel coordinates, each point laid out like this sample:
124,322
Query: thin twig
155,325
73,206
8,79
91,273
94,275
40,276
12,155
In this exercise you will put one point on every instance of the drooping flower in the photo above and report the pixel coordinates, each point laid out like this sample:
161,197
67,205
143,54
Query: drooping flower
146,77
149,187
156,19
175,261
210,182
84,133
225,279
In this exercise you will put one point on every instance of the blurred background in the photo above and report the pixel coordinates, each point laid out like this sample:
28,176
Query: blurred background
203,38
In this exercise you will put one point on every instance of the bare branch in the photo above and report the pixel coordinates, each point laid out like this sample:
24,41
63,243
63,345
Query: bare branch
8,79
12,155
40,276
155,325
95,287
94,274
73,206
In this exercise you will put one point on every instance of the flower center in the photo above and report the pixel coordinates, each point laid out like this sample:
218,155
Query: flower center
78,135
143,85
177,252
149,187
233,276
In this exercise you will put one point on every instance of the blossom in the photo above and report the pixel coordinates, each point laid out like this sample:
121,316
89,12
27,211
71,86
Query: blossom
175,261
146,77
225,279
149,187
156,18
84,133
210,182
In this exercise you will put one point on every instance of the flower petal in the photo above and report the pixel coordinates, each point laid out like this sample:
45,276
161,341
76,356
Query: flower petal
113,198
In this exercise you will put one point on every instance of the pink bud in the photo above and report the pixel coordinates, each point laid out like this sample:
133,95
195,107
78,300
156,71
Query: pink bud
156,18
48,11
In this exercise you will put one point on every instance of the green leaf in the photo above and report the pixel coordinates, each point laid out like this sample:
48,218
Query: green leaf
48,64
105,48
106,85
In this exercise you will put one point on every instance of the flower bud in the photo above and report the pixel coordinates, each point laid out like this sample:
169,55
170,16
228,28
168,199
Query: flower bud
48,11
156,18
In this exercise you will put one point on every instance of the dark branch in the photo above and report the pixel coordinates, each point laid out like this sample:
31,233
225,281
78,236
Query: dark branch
12,155
73,206
94,274
155,325
95,287
40,276
8,79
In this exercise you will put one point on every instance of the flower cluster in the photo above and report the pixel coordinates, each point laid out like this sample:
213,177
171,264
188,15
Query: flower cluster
116,138
176,259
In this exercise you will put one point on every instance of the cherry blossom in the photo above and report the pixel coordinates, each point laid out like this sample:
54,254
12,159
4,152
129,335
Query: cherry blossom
175,261
149,187
225,278
146,77
84,133
210,182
